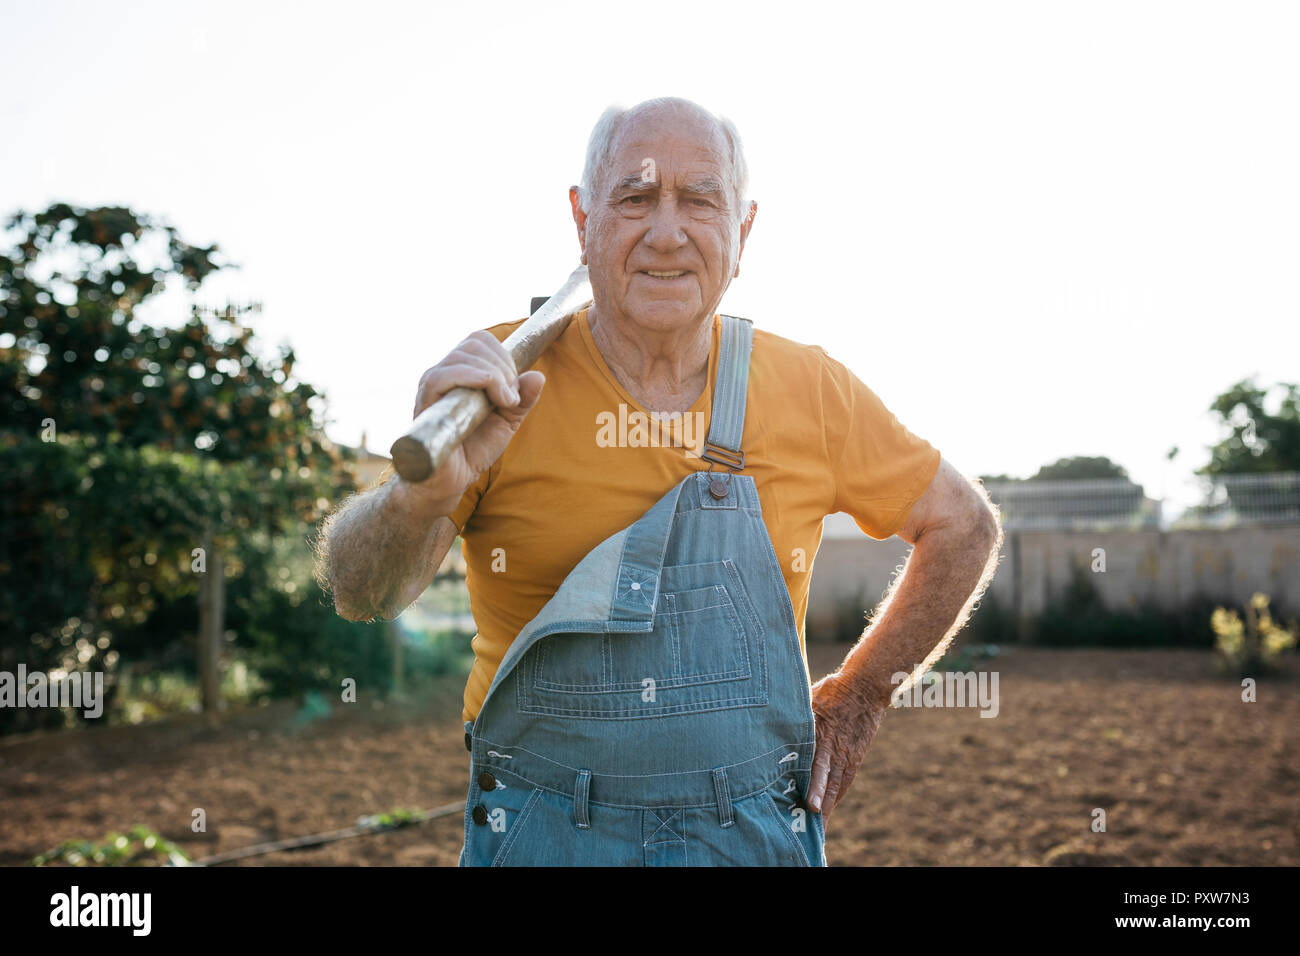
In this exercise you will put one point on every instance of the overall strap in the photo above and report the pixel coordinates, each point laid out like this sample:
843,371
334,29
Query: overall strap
636,591
727,419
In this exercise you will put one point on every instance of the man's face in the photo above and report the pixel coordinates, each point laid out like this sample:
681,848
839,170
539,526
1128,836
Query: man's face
661,235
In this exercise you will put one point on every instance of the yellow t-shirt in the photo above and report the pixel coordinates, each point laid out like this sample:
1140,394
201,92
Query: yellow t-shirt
580,468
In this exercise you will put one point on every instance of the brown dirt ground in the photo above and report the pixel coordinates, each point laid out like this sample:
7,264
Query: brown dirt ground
1187,774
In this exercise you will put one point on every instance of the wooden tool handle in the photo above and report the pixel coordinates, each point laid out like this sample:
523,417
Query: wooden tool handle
440,428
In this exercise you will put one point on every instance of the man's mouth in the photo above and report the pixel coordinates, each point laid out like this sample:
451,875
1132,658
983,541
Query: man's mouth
669,274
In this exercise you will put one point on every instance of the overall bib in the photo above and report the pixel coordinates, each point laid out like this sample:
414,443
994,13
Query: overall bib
657,711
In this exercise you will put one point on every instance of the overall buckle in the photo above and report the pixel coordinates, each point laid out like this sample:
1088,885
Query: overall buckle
717,455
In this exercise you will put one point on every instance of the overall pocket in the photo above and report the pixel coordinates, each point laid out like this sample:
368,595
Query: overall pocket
495,819
705,652
788,819
803,827
515,828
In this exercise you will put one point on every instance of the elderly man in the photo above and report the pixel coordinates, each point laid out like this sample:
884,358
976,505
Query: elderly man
640,693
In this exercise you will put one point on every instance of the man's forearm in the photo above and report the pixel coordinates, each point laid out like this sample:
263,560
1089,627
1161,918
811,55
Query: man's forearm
927,604
381,550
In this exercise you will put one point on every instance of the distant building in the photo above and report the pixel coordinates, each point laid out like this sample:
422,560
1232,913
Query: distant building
368,469
368,466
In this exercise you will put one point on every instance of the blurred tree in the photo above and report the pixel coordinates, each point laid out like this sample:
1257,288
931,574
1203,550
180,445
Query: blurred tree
1077,469
1257,440
69,289
121,443
1068,469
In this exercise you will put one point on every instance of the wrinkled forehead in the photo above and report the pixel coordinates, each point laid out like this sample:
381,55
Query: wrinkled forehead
678,141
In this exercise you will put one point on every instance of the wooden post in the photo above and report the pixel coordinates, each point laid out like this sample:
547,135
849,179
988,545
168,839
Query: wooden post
212,626
1019,620
212,589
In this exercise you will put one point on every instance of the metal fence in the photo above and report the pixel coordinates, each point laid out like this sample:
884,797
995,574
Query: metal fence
1247,499
1119,504
1089,503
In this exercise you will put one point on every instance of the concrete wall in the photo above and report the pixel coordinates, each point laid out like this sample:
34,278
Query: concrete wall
1166,568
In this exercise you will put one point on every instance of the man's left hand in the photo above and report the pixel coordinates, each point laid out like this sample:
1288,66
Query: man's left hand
847,721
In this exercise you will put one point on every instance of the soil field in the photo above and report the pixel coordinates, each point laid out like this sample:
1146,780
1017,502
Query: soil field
1186,773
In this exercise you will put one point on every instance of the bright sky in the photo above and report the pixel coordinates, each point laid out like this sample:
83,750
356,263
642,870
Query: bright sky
1034,229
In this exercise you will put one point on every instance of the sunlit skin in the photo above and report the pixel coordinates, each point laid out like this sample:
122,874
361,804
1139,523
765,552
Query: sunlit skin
664,203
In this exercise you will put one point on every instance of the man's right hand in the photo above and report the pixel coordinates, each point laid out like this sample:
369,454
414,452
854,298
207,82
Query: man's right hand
479,362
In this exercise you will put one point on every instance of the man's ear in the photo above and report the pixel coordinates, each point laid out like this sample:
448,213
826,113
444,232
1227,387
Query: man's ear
579,220
745,226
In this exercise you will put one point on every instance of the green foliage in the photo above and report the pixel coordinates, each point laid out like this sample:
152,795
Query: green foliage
290,633
430,652
1068,469
1078,618
1251,647
968,656
93,514
138,847
990,624
146,694
1077,469
81,358
849,620
122,444
435,655
393,820
1257,440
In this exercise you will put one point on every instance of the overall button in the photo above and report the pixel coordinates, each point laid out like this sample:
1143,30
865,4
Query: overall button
479,814
486,781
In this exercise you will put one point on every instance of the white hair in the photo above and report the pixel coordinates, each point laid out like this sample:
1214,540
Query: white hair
611,121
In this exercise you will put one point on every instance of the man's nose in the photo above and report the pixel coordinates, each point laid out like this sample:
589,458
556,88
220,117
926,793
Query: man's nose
666,225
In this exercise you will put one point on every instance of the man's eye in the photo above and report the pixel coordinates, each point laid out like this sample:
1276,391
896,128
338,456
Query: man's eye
701,202
635,200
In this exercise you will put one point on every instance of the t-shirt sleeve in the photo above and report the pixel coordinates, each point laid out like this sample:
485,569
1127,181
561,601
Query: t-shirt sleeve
880,467
469,500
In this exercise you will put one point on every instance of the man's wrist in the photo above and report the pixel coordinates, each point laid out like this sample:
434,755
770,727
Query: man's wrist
419,503
867,677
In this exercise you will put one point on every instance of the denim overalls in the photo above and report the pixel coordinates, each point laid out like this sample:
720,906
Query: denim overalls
657,710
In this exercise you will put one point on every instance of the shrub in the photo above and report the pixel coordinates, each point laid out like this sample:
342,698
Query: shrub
1252,646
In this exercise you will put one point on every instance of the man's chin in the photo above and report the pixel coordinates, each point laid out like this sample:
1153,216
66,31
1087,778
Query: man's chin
664,314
